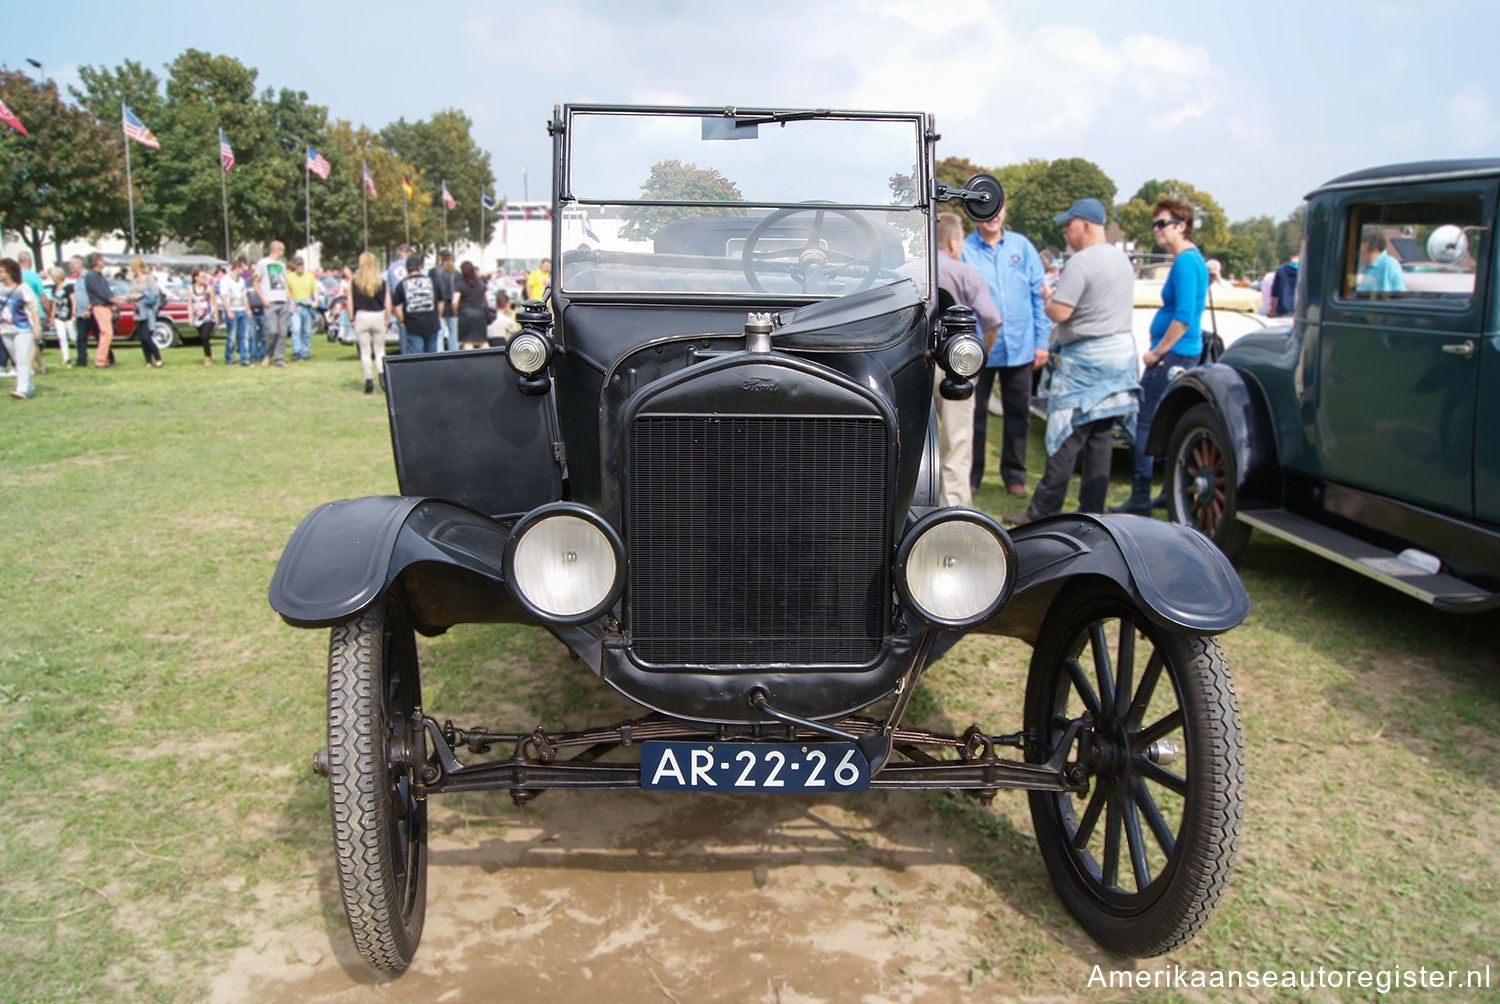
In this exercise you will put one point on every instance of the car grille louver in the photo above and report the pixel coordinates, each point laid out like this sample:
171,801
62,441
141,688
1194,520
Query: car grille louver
756,540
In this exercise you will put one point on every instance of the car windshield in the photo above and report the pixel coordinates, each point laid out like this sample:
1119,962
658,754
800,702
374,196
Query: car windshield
810,204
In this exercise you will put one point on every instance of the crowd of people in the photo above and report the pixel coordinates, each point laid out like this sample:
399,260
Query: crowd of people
268,310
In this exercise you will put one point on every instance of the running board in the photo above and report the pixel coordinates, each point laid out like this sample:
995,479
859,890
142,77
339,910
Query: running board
1406,572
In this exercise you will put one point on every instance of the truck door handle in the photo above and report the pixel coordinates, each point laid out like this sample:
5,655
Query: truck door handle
1465,349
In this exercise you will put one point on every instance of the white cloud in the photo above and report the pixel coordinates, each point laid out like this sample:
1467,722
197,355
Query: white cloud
1471,117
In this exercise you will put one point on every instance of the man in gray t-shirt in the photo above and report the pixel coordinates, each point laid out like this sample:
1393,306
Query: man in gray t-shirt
1094,382
1099,286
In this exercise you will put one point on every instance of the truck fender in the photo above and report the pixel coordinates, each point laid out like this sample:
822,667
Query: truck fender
1241,406
1174,574
344,556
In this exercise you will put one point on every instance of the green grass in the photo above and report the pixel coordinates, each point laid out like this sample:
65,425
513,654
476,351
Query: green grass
156,716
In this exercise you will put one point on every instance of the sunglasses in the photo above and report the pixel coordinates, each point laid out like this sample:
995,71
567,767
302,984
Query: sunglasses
1161,224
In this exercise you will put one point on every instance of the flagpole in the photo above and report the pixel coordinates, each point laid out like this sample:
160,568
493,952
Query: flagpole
364,202
445,217
405,219
224,191
129,187
481,231
307,219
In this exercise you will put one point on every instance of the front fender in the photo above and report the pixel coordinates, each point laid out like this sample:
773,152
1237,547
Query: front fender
344,556
1241,406
1175,575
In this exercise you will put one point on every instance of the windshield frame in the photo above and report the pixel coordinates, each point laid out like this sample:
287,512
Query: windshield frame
565,201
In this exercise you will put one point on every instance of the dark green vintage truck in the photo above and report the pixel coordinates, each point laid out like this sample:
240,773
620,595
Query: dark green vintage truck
1369,434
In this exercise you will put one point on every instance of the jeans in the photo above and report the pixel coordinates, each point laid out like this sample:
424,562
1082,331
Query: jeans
1153,385
18,344
81,337
1015,394
62,329
369,330
256,333
236,324
276,322
302,329
1095,443
413,343
145,321
448,334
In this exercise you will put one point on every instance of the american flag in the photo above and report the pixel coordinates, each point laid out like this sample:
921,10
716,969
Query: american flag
447,198
369,181
318,164
135,130
226,153
9,118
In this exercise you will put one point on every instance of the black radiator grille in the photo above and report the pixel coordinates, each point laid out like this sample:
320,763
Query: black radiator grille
756,540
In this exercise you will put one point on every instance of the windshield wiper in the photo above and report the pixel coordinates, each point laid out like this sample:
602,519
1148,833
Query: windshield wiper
774,116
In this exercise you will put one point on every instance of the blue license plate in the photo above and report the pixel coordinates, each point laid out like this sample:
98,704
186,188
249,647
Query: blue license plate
777,767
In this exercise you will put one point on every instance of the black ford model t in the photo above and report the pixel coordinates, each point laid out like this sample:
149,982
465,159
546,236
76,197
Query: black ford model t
709,469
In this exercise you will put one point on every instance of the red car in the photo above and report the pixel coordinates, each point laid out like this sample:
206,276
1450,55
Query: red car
172,321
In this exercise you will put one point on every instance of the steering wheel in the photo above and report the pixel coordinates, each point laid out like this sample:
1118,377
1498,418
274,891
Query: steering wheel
814,264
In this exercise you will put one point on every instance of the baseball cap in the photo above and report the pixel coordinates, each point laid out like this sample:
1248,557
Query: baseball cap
1091,210
414,263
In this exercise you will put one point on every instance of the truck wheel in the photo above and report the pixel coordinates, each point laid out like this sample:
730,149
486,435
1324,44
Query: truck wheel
375,750
1201,483
1142,857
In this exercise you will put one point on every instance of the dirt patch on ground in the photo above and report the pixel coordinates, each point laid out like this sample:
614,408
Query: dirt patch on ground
636,896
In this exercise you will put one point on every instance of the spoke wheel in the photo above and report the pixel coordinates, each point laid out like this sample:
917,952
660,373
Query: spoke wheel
375,750
1202,485
1142,857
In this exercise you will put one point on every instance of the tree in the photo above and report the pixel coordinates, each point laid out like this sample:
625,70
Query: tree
206,93
441,150
65,177
674,180
104,91
1037,190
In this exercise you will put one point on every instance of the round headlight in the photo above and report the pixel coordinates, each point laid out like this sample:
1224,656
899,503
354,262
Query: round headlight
564,565
965,356
527,353
956,571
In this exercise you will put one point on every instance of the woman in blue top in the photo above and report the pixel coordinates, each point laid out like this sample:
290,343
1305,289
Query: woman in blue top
1176,335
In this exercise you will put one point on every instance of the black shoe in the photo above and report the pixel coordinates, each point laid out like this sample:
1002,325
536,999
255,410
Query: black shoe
1134,505
369,386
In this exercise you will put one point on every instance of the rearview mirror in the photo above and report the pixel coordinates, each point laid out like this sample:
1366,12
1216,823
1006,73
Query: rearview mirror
982,197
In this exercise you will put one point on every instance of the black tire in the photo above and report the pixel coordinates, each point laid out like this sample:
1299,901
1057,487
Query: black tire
375,751
1175,868
164,334
1201,481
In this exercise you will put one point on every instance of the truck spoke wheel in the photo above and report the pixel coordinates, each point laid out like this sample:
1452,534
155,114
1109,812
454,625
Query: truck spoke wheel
375,751
1202,484
1141,858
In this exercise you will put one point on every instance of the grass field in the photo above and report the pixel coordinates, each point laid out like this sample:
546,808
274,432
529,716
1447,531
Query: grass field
156,717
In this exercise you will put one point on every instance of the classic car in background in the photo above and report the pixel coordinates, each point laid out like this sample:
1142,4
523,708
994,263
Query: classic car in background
709,470
1371,434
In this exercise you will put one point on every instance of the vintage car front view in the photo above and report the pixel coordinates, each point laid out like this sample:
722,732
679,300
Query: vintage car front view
708,467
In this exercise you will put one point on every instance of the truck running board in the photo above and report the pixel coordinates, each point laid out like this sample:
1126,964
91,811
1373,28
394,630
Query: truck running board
1409,572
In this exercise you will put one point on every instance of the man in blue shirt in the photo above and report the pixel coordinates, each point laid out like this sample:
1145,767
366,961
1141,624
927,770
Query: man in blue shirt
1382,274
1014,274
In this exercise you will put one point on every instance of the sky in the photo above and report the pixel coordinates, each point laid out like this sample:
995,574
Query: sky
1253,104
